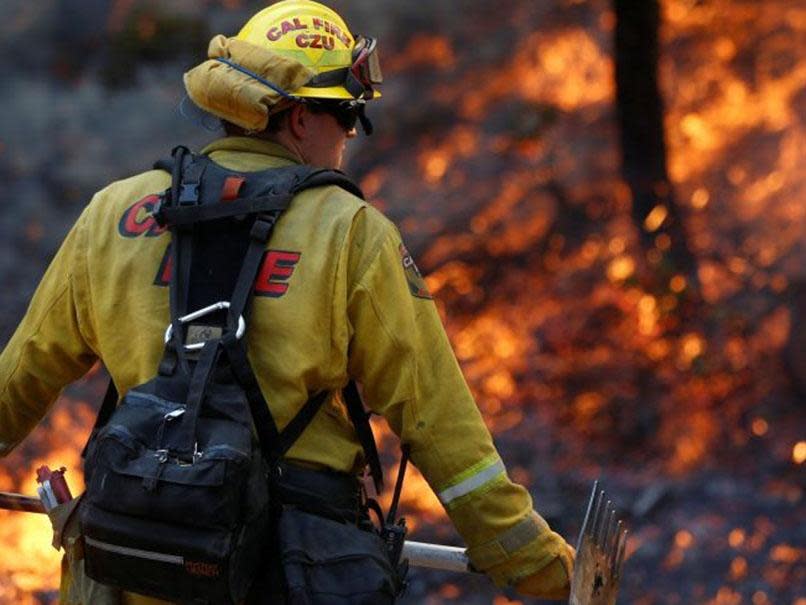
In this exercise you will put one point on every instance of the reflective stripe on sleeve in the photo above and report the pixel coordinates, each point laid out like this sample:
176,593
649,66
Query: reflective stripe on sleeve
472,479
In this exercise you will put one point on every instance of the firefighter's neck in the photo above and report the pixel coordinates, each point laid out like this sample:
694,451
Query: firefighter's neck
316,139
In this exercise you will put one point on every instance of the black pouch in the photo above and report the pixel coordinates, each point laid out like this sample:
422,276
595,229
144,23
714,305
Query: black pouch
326,562
175,529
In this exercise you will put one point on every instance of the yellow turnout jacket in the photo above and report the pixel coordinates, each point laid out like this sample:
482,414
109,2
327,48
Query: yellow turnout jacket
342,299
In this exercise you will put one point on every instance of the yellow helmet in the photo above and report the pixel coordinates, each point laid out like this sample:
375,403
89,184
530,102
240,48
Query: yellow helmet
345,66
292,51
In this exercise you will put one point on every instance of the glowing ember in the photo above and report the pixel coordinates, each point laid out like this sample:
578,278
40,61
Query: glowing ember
683,539
736,537
647,308
783,553
761,598
656,218
726,596
700,198
691,347
738,568
760,427
677,284
450,591
799,452
620,268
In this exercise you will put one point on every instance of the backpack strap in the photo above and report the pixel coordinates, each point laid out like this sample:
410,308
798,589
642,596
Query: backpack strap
165,164
184,191
245,285
301,178
184,442
210,212
360,418
265,426
329,176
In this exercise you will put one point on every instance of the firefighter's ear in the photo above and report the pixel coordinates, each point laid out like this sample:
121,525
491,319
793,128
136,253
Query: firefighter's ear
298,122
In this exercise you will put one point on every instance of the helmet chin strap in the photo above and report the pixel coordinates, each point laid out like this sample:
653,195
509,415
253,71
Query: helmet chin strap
366,124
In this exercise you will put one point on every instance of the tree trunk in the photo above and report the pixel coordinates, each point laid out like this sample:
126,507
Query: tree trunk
643,146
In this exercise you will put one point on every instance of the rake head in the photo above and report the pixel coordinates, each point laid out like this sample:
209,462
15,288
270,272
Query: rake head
600,553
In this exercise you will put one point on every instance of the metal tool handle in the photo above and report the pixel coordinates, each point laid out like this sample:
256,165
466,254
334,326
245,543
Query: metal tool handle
18,502
436,556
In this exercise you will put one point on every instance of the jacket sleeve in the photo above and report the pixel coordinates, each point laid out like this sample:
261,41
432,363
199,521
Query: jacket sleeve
50,346
400,353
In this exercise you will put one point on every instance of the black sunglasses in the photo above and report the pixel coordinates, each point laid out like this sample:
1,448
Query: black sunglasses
346,113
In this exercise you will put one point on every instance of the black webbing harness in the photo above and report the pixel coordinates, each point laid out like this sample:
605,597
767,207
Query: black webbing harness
220,219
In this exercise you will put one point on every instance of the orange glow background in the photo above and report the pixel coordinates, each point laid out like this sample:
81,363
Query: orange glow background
497,154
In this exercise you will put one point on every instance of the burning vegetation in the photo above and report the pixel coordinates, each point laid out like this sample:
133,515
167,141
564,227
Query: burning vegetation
662,351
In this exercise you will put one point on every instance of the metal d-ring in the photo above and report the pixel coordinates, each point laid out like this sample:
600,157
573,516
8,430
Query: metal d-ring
223,304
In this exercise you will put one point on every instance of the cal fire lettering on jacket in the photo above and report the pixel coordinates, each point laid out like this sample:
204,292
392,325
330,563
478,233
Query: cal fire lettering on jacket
276,269
137,220
415,279
275,33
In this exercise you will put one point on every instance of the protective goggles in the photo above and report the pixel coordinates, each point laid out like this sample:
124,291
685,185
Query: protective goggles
366,67
361,76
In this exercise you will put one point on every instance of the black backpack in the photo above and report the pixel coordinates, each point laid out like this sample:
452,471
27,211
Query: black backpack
177,504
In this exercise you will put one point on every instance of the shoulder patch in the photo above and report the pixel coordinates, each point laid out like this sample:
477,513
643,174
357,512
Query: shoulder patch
417,285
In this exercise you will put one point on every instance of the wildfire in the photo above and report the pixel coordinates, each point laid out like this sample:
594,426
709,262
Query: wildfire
29,562
548,314
423,50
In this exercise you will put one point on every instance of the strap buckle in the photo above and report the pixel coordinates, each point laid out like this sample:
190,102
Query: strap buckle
223,304
188,194
263,225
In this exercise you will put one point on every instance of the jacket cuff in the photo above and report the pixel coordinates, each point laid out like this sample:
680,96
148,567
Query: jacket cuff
524,549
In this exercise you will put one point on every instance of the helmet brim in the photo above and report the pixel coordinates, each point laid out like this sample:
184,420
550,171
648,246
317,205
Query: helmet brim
331,92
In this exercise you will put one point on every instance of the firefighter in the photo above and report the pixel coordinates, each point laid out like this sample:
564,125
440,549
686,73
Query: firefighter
338,297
